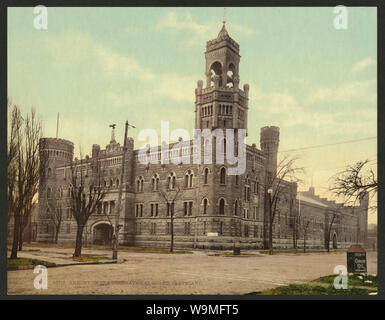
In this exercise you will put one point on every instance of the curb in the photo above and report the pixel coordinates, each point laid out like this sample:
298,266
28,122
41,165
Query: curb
66,264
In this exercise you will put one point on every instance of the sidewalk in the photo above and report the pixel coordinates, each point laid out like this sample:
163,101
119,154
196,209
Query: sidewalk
58,258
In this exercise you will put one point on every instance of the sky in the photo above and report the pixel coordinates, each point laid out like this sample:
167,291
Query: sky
98,66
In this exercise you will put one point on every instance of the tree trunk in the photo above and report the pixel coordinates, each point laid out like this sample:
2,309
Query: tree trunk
15,243
295,235
304,242
78,244
172,228
21,238
271,237
56,235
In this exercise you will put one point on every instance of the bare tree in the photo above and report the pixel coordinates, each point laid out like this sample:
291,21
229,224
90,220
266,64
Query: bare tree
305,227
355,181
328,228
84,200
56,217
12,147
23,170
170,198
290,198
277,184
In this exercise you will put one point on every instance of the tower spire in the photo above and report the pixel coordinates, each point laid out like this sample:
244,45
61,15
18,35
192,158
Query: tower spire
224,16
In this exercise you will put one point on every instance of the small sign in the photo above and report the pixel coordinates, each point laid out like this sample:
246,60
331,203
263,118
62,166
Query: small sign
356,259
212,234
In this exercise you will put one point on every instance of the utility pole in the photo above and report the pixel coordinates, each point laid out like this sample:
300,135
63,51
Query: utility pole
119,206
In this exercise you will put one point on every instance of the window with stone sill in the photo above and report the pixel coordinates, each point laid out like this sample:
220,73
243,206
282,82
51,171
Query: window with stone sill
223,176
206,176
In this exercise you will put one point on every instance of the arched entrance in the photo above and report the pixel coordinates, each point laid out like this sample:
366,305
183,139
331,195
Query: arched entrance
102,234
334,241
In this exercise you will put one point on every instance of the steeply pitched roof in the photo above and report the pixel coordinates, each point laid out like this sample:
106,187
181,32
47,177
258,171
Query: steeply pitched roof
223,32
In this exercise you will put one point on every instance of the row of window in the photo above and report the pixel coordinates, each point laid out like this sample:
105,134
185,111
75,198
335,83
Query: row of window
167,154
188,181
59,213
60,190
207,111
56,153
234,230
225,109
188,209
222,110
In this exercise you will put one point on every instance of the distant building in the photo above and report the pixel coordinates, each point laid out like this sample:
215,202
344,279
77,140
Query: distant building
212,210
371,242
348,227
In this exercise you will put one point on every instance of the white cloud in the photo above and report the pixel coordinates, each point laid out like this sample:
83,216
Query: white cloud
181,21
364,63
71,50
199,33
347,92
281,107
178,88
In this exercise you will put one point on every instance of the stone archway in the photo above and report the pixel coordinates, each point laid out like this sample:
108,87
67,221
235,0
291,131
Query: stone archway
102,233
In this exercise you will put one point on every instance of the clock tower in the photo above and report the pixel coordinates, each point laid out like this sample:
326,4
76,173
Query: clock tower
221,103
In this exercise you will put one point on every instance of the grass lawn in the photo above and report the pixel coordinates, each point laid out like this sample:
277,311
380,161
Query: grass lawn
90,258
27,262
357,285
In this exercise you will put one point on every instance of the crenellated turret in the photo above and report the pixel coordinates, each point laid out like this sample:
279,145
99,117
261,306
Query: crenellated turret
269,141
54,154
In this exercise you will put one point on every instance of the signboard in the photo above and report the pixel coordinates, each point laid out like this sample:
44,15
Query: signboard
212,234
356,260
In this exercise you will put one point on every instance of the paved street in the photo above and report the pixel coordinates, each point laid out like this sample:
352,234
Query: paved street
197,273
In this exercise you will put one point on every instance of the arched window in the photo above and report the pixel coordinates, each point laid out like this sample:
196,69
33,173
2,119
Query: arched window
188,179
49,191
216,69
139,184
155,182
49,172
206,176
222,206
111,183
117,182
205,202
223,176
171,181
236,208
237,180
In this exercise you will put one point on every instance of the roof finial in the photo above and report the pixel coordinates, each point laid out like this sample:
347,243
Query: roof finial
224,16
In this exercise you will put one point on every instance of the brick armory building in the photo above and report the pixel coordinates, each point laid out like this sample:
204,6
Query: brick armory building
212,208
